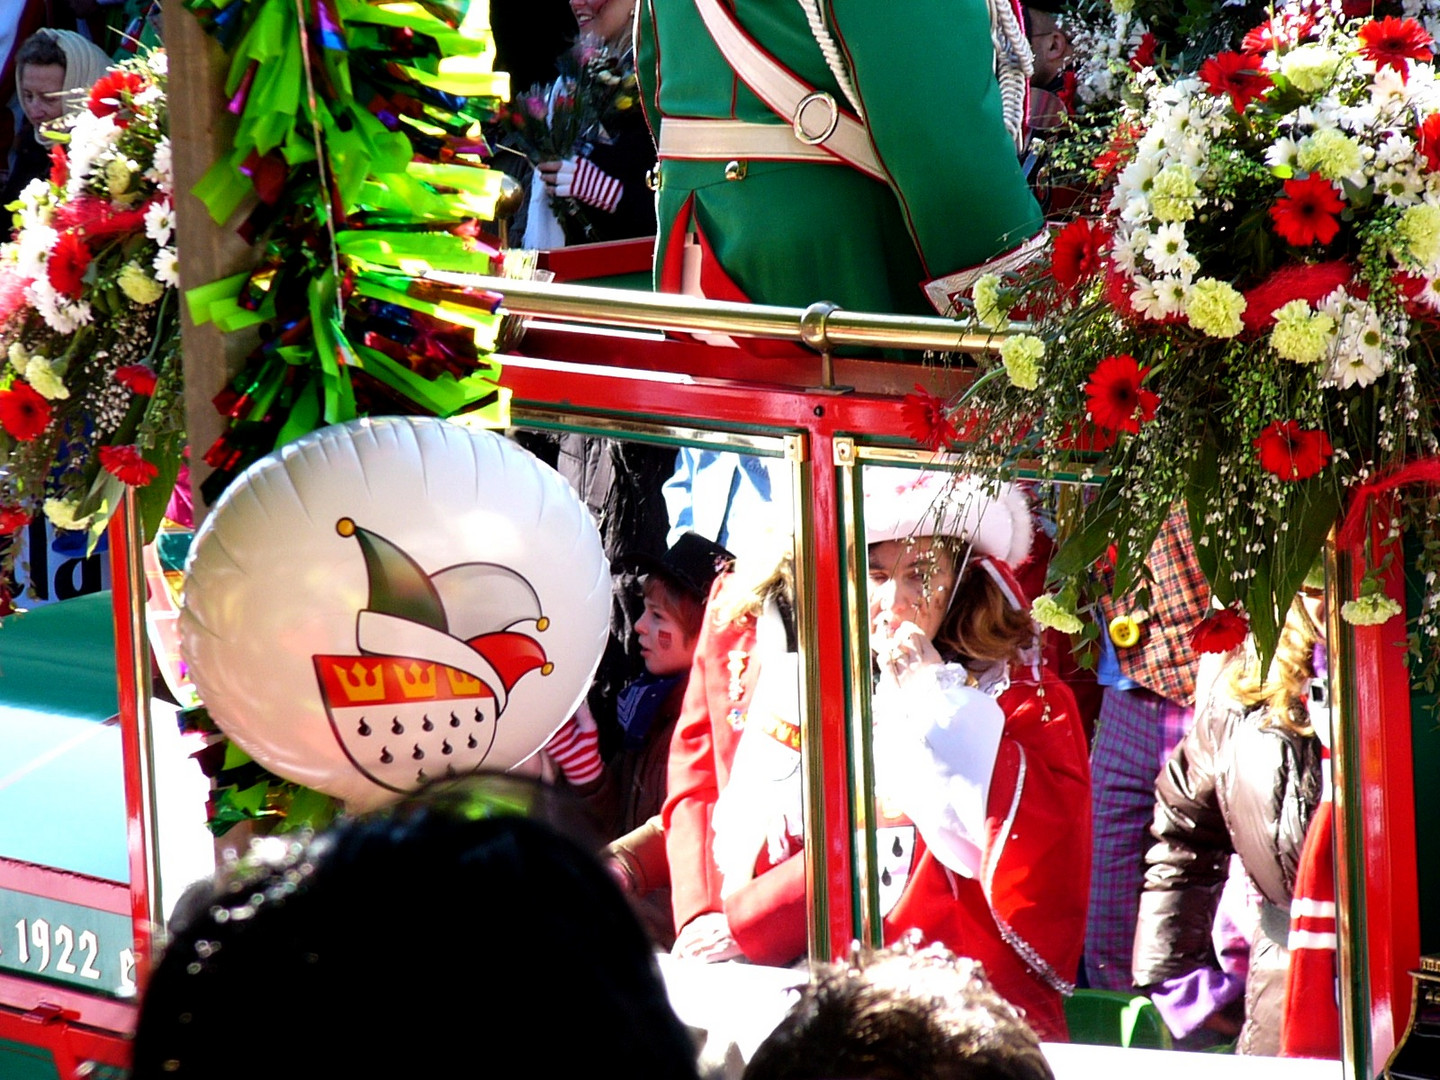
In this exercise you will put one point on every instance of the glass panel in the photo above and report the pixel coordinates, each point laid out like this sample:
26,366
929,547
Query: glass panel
974,739
64,868
672,505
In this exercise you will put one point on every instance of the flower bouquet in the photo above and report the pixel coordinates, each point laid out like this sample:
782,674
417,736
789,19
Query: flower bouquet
90,395
1248,325
596,93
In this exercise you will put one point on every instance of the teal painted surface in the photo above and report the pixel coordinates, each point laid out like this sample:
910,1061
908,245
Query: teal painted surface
20,1062
62,796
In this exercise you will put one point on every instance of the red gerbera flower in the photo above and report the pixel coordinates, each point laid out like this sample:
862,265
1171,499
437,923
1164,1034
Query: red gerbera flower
1120,150
1237,75
1144,54
126,465
1390,42
69,259
1305,214
1116,399
59,166
108,95
12,520
24,414
1219,632
1427,141
1292,453
1285,31
137,378
1076,253
926,420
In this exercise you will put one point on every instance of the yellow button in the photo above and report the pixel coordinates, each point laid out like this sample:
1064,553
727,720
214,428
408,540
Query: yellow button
1124,631
735,170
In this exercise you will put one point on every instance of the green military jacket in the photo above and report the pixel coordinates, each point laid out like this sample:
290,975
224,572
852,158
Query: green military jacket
796,232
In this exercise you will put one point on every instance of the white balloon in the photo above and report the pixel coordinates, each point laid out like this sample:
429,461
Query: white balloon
392,600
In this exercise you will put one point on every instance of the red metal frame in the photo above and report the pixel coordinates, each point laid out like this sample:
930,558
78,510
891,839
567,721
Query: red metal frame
738,388
1386,813
132,740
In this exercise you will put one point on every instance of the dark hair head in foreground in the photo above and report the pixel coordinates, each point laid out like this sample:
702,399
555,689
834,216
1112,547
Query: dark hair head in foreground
449,936
902,1015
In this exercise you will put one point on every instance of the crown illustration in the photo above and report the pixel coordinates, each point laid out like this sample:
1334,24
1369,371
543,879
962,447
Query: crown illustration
361,683
417,680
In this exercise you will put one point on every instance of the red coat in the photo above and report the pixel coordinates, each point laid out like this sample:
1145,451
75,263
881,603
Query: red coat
1036,863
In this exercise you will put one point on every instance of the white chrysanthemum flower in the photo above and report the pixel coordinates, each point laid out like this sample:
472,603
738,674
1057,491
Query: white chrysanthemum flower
161,172
1429,294
159,62
1281,154
1168,248
160,222
167,266
1389,92
32,250
1146,299
1126,247
1400,186
1394,149
1172,293
1360,354
151,95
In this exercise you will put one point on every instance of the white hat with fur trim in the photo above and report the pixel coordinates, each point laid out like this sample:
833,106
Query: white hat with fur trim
905,503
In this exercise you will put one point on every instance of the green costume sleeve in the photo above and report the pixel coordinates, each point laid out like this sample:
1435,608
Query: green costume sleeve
924,72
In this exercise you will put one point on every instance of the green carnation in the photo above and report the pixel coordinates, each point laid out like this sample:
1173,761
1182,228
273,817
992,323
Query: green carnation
41,375
19,357
1214,308
1047,611
1172,193
990,310
1122,7
1419,231
1310,67
1371,610
61,513
1331,153
138,285
1301,335
1021,356
117,177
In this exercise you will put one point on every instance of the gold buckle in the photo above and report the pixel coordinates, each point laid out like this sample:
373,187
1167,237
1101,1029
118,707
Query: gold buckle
797,123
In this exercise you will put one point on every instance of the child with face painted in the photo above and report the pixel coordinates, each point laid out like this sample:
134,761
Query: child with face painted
625,794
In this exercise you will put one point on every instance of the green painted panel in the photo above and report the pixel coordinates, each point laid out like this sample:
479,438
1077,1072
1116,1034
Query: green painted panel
21,1062
66,943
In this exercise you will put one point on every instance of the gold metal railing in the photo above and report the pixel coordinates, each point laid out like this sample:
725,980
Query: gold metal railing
821,326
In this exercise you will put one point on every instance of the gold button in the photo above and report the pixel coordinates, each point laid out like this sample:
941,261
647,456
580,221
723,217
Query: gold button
652,177
735,170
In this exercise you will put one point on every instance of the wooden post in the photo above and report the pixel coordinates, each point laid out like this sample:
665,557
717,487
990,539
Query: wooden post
200,130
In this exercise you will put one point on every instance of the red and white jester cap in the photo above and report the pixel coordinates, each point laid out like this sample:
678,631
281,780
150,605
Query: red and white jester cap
905,503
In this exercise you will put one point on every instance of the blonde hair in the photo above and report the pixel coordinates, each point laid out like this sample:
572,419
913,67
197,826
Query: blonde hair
1283,689
769,571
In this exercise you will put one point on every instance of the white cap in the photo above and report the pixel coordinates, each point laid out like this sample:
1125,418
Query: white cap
905,503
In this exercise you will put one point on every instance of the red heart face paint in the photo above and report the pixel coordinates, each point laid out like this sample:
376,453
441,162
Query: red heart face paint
664,646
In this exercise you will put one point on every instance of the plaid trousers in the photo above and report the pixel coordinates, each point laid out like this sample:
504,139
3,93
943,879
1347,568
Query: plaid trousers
1135,735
